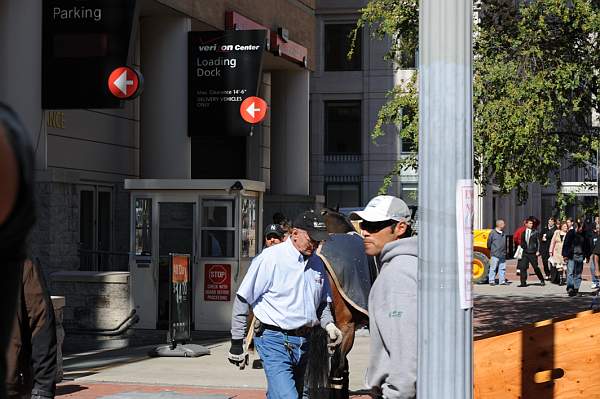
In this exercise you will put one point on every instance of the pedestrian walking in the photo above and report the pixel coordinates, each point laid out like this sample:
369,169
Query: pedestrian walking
517,241
531,250
31,353
575,250
593,237
273,235
596,254
385,226
496,243
546,236
557,261
288,290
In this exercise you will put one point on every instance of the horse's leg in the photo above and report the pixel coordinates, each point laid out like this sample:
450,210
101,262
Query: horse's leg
345,373
339,368
344,319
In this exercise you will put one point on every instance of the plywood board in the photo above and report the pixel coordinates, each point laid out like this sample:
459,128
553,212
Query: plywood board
554,359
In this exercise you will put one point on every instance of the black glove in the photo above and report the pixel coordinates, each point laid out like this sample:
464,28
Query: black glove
236,355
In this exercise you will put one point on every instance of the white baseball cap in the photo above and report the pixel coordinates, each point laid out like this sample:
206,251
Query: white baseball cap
384,207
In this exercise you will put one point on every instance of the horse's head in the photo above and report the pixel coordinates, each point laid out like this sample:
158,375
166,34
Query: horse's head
336,222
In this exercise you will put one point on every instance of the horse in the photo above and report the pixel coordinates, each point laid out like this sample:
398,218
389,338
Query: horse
324,373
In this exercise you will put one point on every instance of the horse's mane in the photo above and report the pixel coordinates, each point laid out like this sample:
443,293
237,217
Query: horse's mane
336,222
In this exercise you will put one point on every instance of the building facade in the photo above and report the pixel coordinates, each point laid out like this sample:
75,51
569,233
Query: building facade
347,166
85,154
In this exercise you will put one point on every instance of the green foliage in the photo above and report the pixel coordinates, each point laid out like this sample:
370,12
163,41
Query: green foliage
536,78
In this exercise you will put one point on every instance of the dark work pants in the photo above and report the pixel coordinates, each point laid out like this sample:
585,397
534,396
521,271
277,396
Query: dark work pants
545,256
526,260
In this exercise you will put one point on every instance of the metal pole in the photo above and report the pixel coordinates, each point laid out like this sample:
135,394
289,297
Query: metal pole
445,156
597,179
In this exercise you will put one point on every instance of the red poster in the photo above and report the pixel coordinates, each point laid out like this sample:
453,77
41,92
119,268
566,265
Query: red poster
181,266
217,282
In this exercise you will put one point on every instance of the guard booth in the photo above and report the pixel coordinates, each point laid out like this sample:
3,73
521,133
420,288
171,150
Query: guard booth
217,222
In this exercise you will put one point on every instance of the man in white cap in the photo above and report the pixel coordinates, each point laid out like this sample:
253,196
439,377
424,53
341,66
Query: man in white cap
385,226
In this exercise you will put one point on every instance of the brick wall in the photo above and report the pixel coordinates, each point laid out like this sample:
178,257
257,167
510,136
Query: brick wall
94,300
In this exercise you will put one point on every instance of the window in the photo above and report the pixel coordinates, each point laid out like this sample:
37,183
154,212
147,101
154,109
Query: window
410,193
95,228
337,46
342,195
218,229
342,127
143,225
408,145
249,226
409,58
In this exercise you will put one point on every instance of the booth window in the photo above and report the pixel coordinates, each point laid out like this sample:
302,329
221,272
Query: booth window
337,45
218,229
143,224
342,127
249,224
342,195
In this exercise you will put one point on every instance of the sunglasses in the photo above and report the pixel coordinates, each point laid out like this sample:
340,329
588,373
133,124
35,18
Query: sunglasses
374,227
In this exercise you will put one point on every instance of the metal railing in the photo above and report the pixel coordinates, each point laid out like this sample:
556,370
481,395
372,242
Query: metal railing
103,261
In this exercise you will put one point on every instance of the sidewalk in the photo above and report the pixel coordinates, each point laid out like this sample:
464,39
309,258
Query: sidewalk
130,373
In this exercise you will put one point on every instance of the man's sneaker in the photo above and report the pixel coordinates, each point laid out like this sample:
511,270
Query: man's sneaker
594,285
505,282
522,285
492,284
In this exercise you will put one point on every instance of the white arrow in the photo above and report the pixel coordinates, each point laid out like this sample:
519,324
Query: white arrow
121,83
251,110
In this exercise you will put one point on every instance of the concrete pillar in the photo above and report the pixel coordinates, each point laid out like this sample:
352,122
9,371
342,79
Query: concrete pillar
290,154
165,145
445,334
258,148
21,67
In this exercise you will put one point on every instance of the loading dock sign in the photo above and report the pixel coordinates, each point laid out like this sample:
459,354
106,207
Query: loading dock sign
223,70
217,282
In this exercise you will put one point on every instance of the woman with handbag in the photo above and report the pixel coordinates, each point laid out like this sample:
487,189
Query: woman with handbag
556,259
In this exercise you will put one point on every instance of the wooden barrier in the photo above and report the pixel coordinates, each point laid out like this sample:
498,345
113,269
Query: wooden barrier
552,359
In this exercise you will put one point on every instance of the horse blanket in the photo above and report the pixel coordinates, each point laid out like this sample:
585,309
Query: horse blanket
345,258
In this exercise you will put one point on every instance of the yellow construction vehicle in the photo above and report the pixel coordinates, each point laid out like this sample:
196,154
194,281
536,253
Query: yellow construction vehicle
481,255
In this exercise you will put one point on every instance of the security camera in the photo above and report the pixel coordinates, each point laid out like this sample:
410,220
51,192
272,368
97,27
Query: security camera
237,186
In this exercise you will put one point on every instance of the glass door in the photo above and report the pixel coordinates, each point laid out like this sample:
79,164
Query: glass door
175,235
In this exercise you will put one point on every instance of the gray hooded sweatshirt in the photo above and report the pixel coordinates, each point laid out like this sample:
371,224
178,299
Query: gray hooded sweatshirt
393,322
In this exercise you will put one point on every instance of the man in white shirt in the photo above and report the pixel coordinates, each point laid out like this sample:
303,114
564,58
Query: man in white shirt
288,290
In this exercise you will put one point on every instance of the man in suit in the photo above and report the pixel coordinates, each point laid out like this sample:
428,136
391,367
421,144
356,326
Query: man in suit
530,242
546,237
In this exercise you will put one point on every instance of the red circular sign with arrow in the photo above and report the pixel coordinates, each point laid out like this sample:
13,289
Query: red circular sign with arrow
125,83
253,109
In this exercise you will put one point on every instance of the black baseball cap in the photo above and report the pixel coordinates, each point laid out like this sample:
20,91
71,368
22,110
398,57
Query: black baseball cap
313,223
273,229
